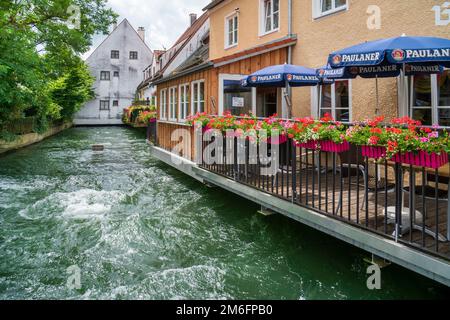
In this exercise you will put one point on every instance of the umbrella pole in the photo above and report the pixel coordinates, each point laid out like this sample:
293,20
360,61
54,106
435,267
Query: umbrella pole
377,109
319,104
288,100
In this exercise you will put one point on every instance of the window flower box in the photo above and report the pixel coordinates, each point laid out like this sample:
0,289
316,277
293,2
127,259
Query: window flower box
422,159
373,152
331,146
310,145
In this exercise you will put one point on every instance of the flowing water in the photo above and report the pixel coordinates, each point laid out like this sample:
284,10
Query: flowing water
137,229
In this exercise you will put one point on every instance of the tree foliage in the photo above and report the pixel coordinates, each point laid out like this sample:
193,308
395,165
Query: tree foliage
41,72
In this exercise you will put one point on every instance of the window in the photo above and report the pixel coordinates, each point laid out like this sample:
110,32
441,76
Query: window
198,97
443,98
430,98
421,99
163,104
325,7
231,28
184,102
115,103
115,54
116,74
105,75
269,16
336,100
133,55
104,104
237,99
173,104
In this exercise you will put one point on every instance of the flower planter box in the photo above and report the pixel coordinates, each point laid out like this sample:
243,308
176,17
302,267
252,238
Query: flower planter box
373,152
311,145
281,139
205,128
330,146
152,120
422,159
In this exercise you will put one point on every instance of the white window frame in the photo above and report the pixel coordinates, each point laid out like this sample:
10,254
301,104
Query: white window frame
183,105
163,104
434,98
262,18
233,77
333,100
231,19
173,103
195,104
317,8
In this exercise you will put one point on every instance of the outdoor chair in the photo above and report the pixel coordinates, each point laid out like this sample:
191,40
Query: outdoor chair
353,160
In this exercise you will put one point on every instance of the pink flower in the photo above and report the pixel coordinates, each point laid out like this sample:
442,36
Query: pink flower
424,140
433,134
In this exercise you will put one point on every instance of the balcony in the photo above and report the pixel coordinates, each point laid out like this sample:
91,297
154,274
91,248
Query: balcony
405,205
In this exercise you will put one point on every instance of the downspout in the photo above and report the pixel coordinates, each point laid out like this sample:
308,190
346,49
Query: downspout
289,58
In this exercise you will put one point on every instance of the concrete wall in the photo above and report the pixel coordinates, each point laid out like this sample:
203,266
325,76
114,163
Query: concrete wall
30,138
125,39
248,30
319,37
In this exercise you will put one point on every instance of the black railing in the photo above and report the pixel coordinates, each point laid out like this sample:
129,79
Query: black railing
406,203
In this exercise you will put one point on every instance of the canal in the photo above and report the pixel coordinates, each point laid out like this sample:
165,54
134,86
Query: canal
137,229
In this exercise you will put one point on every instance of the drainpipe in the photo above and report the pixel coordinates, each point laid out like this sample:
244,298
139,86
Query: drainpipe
288,89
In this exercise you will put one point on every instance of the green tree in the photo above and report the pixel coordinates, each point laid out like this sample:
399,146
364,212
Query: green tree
69,92
40,46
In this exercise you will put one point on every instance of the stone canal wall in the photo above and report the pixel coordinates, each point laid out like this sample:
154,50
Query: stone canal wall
31,138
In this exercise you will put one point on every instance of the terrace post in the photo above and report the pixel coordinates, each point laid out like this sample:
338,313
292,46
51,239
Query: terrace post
448,213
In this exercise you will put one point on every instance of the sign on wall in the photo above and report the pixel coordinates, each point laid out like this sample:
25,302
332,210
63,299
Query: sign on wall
237,102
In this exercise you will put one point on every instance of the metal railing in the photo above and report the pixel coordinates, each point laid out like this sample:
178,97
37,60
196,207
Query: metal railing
402,202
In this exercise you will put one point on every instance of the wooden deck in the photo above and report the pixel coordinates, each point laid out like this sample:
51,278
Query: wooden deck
315,191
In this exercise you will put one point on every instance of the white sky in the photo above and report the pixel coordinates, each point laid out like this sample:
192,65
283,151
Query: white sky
163,20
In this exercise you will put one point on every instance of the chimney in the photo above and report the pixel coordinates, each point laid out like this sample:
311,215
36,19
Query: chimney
141,32
193,17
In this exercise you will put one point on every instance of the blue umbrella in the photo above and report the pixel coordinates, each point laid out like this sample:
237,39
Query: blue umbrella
399,50
381,71
281,76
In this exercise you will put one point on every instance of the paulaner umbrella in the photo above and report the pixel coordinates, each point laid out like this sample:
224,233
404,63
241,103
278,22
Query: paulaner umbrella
385,70
394,53
283,76
398,52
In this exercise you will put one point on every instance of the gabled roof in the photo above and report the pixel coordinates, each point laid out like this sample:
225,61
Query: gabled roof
185,37
115,29
213,4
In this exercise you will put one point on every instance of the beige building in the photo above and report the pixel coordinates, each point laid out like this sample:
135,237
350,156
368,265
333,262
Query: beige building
240,28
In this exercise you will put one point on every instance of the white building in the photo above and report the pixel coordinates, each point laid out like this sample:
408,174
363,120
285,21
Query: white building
117,65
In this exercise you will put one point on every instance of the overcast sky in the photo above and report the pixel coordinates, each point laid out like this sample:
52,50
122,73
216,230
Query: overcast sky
164,20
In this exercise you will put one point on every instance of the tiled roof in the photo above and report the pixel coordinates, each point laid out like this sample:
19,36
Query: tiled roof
188,34
192,29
